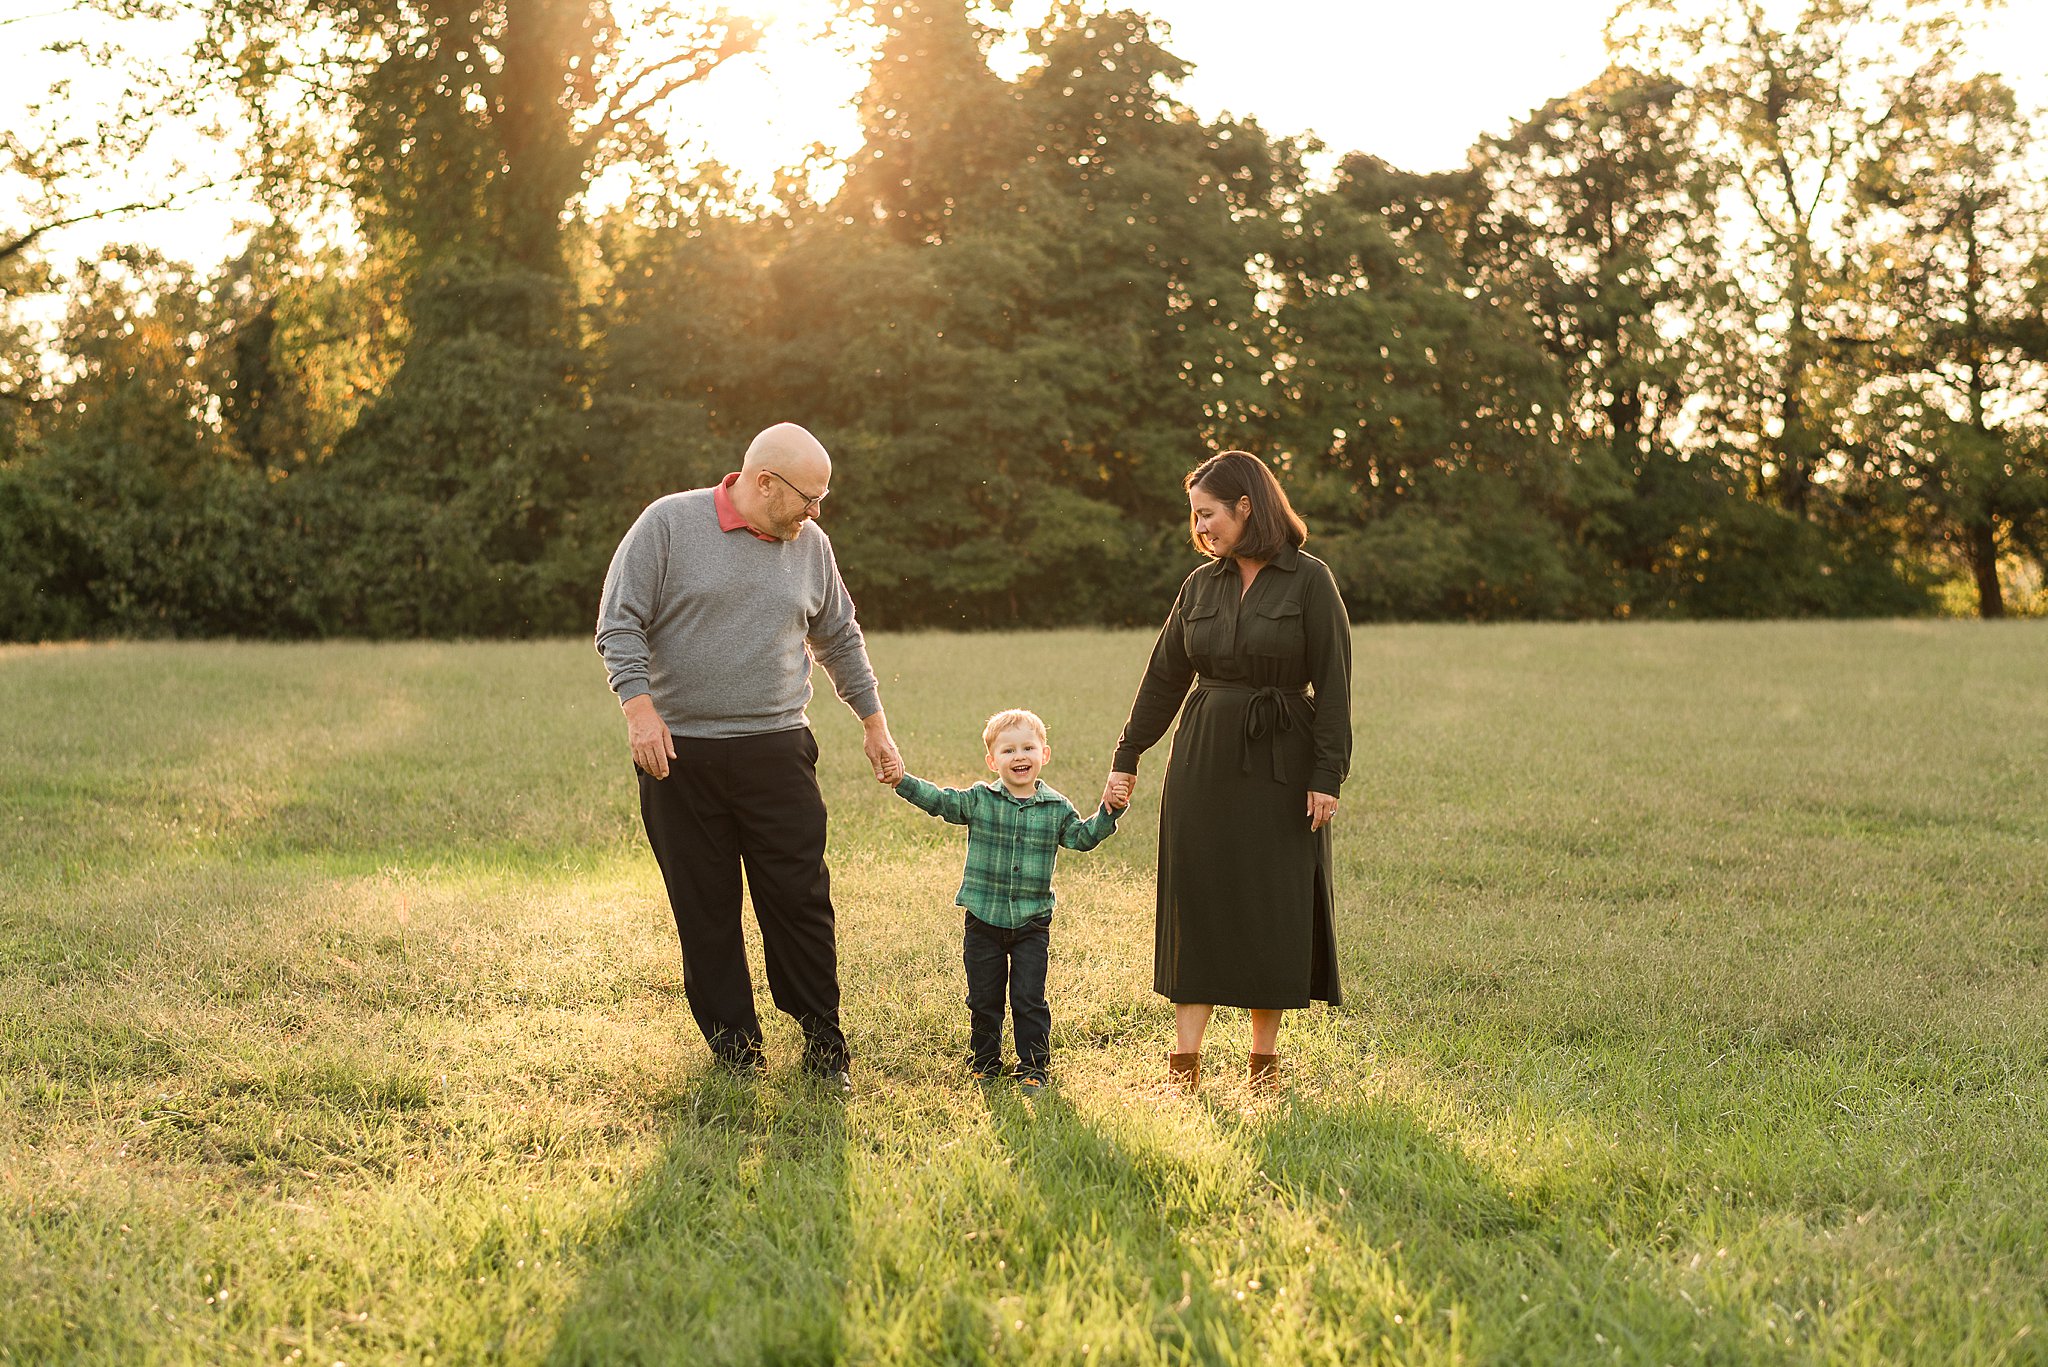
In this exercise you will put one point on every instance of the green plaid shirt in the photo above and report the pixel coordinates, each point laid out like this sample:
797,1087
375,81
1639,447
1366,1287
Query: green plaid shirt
1011,843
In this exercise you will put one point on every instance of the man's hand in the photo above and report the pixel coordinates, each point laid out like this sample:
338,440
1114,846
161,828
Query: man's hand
1321,807
1117,791
648,735
881,750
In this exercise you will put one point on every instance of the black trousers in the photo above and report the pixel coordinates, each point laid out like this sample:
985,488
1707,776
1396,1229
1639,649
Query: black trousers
752,804
996,959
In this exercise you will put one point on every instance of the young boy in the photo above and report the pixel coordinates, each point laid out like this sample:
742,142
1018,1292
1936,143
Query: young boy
1016,827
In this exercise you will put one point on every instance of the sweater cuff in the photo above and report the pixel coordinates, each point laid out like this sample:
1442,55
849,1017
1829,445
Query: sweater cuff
629,689
1126,761
1323,781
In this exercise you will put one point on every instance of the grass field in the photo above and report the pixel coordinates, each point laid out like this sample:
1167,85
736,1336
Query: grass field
1695,1011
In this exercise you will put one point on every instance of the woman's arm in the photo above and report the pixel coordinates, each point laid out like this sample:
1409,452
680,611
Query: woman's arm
1326,629
1160,692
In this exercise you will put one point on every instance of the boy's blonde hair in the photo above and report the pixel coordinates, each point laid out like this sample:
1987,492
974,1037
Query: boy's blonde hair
1012,717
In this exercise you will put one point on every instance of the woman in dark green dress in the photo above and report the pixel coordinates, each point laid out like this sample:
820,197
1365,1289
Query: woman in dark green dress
1264,744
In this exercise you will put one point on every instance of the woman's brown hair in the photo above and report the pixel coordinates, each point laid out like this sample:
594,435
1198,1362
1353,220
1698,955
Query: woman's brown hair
1272,523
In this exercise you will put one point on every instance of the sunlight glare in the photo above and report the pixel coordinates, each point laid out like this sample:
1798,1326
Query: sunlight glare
765,112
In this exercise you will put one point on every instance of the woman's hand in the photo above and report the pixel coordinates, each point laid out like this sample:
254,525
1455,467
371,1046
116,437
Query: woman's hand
1117,791
1321,807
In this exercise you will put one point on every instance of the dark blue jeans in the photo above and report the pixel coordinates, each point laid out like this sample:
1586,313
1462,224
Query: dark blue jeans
1014,959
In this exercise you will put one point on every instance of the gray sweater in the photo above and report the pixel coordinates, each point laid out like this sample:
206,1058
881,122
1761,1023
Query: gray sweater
722,627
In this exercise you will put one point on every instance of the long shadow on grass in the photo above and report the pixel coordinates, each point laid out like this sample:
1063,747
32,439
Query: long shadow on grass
1168,1226
1087,1214
1527,1282
1315,1229
733,1247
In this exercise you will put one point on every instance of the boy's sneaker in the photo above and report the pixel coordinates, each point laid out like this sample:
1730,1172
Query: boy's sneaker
1032,1082
980,1074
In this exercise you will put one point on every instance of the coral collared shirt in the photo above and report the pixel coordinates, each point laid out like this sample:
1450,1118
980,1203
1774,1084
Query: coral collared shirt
729,519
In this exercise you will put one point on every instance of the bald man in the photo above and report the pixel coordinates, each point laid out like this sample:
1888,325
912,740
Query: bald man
716,604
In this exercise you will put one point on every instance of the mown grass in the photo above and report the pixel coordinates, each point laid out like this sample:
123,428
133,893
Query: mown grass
1695,1012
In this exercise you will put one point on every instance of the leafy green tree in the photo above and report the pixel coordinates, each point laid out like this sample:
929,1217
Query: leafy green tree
1751,324
458,130
1954,416
140,518
1604,241
1426,419
1018,322
1784,118
1119,317
471,131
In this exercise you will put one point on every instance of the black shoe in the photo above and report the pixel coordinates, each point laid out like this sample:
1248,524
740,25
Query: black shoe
746,1065
834,1082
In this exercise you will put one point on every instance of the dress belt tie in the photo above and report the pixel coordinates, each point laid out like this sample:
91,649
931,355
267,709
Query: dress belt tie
1266,715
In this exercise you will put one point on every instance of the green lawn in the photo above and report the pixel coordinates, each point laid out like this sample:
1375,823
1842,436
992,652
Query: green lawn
1695,1012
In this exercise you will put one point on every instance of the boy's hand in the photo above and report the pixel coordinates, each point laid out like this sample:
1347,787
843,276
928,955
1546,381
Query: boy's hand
1117,791
891,772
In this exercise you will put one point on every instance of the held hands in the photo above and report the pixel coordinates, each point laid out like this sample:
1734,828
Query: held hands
1321,809
881,751
648,735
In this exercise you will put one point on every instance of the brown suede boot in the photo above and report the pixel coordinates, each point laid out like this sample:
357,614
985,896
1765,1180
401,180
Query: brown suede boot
1184,1071
1265,1074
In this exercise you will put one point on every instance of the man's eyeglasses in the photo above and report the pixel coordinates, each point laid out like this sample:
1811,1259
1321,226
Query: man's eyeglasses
815,502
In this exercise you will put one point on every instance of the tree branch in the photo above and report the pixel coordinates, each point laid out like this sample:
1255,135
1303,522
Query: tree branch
46,14
737,42
17,245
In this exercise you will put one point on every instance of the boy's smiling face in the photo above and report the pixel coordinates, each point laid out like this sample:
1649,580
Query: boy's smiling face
1016,755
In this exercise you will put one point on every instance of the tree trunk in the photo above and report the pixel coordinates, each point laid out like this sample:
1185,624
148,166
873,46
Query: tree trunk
1981,545
1795,453
541,169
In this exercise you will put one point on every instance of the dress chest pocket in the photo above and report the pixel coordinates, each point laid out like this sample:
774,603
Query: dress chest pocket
1202,630
1274,629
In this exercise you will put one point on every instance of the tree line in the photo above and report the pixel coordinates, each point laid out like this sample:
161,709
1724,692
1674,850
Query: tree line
1753,324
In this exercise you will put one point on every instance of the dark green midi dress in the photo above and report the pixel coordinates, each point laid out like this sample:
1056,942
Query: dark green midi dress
1245,890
